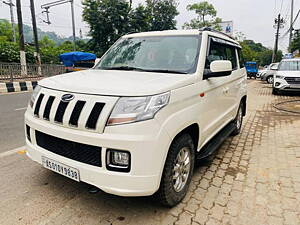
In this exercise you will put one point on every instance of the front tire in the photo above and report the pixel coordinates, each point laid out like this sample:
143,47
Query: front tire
270,79
238,121
178,171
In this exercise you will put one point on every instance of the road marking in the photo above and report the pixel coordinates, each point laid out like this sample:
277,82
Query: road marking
21,108
13,151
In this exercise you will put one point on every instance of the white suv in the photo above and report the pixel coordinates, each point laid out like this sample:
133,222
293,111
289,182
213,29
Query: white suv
135,124
287,77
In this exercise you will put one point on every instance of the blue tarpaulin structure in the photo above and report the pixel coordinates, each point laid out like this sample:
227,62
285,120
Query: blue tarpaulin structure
70,58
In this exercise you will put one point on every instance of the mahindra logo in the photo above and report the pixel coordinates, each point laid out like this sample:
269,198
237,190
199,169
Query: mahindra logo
67,97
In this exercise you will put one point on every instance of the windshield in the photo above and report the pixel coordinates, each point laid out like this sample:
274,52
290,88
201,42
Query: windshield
289,66
170,54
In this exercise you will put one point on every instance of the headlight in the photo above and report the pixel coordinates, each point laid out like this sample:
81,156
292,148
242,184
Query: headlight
279,77
34,95
134,109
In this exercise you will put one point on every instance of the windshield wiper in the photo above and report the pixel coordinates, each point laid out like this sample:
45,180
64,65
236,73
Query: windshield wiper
129,68
165,71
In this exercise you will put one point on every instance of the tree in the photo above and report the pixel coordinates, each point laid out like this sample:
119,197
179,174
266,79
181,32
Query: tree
139,19
162,14
206,16
108,21
295,45
257,52
6,32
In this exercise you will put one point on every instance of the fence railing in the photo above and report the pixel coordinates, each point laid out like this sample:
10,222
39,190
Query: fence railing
14,71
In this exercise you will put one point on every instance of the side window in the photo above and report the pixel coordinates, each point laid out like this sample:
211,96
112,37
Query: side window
231,56
219,51
241,58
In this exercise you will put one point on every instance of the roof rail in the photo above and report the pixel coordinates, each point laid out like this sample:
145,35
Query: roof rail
214,30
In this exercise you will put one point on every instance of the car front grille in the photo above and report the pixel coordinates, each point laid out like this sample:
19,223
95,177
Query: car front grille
292,80
83,153
43,111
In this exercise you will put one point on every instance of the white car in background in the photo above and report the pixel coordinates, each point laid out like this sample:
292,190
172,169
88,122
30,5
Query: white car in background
268,74
287,77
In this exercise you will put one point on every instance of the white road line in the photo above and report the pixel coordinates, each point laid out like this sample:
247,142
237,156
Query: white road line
11,152
21,108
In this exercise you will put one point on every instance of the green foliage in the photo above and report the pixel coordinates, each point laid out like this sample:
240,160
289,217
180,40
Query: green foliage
50,50
206,16
139,19
9,52
257,52
6,32
295,45
110,19
162,14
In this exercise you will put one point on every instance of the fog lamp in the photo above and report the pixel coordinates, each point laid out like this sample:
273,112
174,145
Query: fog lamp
277,84
117,160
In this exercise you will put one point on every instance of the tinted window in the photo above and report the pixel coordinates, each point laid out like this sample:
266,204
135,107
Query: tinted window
219,51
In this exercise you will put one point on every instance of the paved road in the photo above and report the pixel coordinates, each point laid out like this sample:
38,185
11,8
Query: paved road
12,108
253,179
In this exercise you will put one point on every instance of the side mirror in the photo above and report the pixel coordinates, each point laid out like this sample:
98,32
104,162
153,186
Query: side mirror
219,68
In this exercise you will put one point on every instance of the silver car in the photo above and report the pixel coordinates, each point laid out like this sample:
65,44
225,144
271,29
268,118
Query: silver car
268,74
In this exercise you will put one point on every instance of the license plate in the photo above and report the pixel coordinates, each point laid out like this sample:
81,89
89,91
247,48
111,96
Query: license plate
61,168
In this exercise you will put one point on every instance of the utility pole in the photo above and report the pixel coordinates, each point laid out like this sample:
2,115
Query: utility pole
47,6
12,20
291,25
35,36
21,42
278,24
73,25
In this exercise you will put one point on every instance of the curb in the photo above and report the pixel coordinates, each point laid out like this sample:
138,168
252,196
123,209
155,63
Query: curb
17,86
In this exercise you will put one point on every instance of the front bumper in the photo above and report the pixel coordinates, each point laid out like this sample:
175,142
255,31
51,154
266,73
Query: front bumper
283,85
146,141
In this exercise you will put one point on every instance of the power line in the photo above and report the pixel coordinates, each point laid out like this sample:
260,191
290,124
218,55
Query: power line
287,32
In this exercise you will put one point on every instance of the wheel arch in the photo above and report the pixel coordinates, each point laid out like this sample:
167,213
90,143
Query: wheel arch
193,130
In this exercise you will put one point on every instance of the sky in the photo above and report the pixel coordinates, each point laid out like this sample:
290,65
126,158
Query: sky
254,18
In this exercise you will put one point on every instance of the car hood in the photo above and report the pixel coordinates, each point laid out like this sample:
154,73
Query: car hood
117,83
288,73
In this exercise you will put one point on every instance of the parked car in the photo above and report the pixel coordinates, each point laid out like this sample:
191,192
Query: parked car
268,75
261,71
287,77
251,68
135,124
